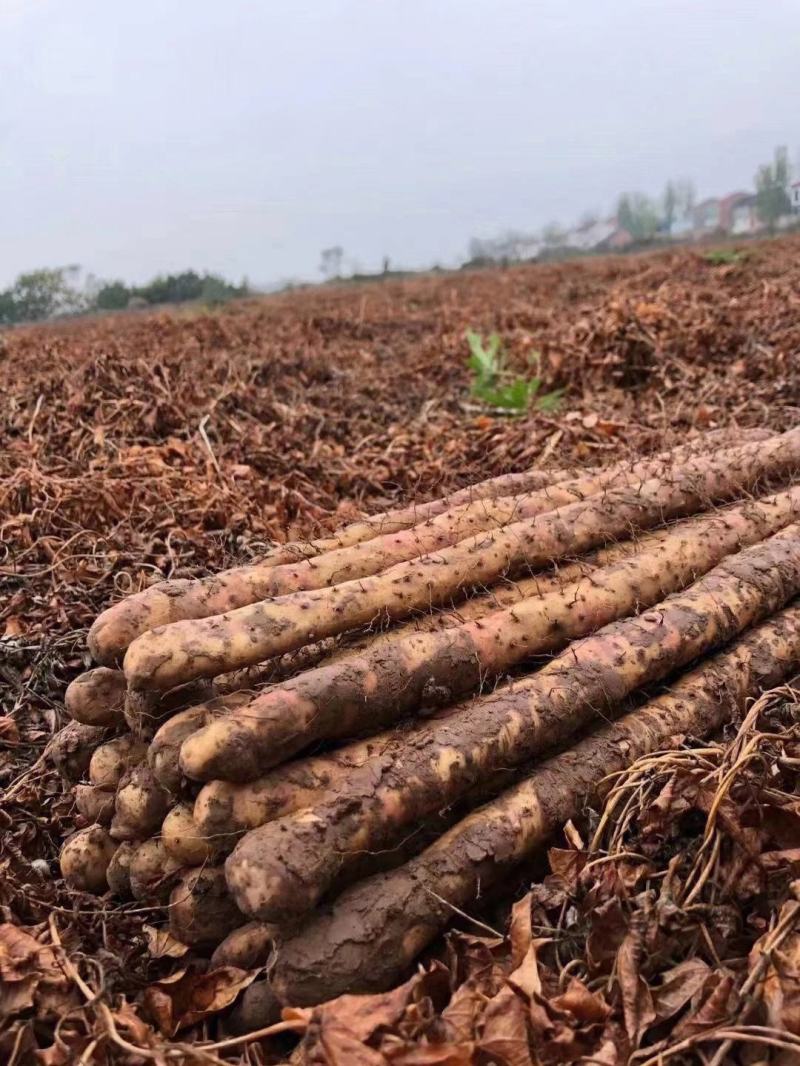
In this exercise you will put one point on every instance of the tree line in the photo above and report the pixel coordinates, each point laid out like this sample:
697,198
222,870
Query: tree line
57,292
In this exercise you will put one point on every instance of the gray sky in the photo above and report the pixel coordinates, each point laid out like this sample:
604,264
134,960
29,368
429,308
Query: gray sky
242,136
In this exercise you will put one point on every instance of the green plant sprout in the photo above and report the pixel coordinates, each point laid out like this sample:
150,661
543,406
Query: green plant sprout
494,385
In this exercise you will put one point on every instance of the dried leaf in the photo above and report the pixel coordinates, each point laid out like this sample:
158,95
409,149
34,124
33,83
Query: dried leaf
9,731
175,1004
504,1039
520,933
717,1001
161,943
637,1002
14,626
677,987
781,988
587,1007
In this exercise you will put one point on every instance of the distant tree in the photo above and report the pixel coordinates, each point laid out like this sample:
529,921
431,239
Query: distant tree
41,294
587,220
554,235
172,288
686,196
670,205
772,189
8,314
331,262
112,296
638,215
476,249
216,290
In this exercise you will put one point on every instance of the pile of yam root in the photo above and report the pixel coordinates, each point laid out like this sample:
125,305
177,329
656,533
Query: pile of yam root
314,761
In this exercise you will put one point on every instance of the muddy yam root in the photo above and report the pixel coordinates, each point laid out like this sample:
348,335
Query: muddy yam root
140,805
118,872
184,841
85,857
152,872
366,939
111,761
173,655
94,805
395,678
179,599
201,911
164,750
97,697
247,947
284,868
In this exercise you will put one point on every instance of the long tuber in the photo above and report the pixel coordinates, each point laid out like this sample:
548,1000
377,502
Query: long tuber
365,940
283,868
140,805
369,691
171,655
174,600
181,598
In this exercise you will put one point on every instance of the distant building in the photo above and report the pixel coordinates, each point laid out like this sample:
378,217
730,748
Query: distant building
706,216
744,215
682,227
598,235
737,213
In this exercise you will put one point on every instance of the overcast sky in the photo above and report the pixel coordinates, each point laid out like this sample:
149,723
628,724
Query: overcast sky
242,136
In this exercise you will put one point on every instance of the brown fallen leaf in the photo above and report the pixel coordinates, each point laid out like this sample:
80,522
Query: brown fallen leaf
162,944
637,1002
14,626
189,996
30,975
504,1039
716,1003
677,987
9,731
781,988
587,1007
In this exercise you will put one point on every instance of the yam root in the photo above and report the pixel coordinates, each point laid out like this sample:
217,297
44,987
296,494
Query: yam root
247,947
201,911
118,873
370,691
140,805
97,697
183,840
164,750
152,872
365,940
284,868
172,655
145,711
223,811
256,1009
177,600
112,760
71,749
167,744
85,857
94,805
